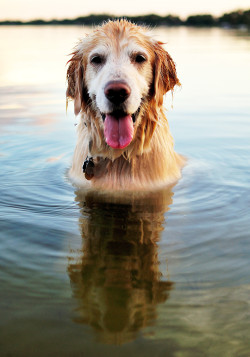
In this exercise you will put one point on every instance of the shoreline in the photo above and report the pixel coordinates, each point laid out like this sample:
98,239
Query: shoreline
235,19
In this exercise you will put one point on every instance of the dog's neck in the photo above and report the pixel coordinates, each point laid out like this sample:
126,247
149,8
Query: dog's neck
152,167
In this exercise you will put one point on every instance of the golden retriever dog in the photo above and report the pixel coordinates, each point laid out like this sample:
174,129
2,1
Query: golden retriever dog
117,77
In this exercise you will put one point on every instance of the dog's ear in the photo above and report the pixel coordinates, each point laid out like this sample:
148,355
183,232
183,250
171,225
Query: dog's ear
165,76
75,79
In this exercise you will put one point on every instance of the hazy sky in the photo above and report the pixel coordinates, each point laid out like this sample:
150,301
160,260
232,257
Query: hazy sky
48,9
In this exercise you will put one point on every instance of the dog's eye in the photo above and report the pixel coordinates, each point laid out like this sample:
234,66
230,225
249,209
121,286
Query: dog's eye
140,58
97,59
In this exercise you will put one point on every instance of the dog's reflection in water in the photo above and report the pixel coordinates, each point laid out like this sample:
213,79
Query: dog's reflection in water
115,275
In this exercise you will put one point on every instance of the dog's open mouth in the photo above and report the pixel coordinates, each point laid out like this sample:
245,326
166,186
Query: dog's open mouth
118,129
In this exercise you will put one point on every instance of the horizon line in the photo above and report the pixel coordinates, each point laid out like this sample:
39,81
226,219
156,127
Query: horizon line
123,16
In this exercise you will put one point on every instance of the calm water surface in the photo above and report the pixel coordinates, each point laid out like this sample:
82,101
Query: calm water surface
88,274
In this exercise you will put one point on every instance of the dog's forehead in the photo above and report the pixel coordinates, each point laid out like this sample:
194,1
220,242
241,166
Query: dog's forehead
119,36
118,47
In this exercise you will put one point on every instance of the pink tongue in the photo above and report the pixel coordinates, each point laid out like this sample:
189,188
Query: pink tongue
118,132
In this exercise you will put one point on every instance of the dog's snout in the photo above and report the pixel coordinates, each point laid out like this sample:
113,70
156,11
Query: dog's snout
117,92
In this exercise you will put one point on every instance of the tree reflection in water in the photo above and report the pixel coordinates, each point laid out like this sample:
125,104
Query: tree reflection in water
115,275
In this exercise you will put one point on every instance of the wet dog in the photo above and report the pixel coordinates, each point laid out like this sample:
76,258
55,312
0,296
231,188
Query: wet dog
117,77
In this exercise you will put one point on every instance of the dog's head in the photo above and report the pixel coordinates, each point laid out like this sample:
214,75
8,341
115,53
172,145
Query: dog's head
118,76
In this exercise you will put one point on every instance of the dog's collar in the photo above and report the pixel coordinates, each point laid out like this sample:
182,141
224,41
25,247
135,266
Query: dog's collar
88,167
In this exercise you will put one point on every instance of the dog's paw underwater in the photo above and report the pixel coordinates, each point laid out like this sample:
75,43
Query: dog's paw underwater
117,77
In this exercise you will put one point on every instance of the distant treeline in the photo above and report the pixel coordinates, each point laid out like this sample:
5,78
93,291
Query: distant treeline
232,19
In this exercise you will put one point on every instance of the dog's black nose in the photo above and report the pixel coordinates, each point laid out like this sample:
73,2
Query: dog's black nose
117,92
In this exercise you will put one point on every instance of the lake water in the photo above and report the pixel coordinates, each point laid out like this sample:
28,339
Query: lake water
88,274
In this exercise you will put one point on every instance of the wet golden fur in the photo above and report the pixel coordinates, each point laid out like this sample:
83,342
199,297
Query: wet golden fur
149,161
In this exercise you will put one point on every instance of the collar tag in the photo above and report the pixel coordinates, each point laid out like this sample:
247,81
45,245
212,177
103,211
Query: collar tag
88,168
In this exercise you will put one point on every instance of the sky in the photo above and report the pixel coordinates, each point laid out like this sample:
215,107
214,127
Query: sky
60,9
